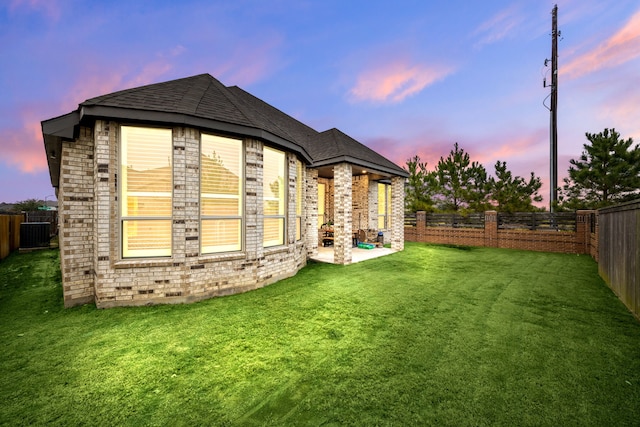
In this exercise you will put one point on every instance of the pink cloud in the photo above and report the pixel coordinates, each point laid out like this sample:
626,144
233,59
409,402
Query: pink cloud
396,80
23,146
498,27
622,47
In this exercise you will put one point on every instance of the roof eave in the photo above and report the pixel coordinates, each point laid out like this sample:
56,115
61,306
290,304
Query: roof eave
372,167
161,117
54,131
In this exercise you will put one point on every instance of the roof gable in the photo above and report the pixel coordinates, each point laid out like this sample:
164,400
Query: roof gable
333,145
203,102
199,96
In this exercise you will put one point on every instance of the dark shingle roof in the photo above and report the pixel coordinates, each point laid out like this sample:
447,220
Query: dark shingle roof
198,96
202,101
332,145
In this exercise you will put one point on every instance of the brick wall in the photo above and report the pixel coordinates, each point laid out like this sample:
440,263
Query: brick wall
579,242
92,269
360,201
76,216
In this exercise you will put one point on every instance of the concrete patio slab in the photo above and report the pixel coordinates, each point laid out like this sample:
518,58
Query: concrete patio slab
325,254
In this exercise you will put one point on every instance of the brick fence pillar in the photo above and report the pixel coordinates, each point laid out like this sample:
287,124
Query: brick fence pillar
583,231
421,224
491,229
397,213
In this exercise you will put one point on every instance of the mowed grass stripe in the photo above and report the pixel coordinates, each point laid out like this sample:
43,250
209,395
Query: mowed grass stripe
431,336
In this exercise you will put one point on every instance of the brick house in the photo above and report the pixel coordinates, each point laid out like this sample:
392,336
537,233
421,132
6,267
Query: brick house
184,190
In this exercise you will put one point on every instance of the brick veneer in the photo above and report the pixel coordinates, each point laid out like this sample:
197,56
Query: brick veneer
76,215
91,263
92,269
343,224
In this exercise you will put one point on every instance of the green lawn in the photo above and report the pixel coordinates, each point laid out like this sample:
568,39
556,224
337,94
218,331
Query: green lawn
430,336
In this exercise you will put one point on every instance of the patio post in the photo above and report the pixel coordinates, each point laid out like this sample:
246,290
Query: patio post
342,210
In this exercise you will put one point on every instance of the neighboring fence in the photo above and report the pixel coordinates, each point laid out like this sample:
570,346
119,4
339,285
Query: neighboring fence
619,252
611,236
539,231
44,216
9,234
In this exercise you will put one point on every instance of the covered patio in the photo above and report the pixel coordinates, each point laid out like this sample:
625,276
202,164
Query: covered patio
326,255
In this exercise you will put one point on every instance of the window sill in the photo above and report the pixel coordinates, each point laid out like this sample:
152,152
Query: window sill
276,250
136,263
231,256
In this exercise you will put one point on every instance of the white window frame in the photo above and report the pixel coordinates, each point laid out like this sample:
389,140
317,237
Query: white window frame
123,195
214,249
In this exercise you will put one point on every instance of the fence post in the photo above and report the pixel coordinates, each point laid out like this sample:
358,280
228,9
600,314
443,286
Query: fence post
583,231
421,224
491,229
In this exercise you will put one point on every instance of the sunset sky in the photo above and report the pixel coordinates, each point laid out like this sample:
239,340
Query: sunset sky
402,77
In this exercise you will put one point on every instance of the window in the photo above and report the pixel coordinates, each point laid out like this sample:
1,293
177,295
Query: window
221,201
146,191
299,194
273,191
321,204
384,206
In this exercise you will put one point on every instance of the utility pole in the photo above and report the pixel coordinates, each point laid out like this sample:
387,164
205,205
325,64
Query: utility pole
554,109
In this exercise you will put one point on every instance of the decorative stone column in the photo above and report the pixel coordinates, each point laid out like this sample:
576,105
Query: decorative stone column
343,224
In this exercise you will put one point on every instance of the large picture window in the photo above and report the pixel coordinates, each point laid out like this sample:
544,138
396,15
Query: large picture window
221,201
145,191
384,206
274,206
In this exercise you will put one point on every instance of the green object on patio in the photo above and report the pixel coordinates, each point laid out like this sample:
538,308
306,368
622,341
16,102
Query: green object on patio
366,245
431,335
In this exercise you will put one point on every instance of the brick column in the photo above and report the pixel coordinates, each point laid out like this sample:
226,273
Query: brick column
253,200
421,225
583,231
397,213
76,216
105,218
292,170
491,229
310,209
342,227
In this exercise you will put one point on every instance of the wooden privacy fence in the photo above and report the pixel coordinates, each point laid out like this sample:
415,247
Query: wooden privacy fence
9,234
619,252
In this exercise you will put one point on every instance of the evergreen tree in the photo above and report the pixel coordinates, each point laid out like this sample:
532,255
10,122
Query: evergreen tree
462,183
514,194
421,186
28,205
607,172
